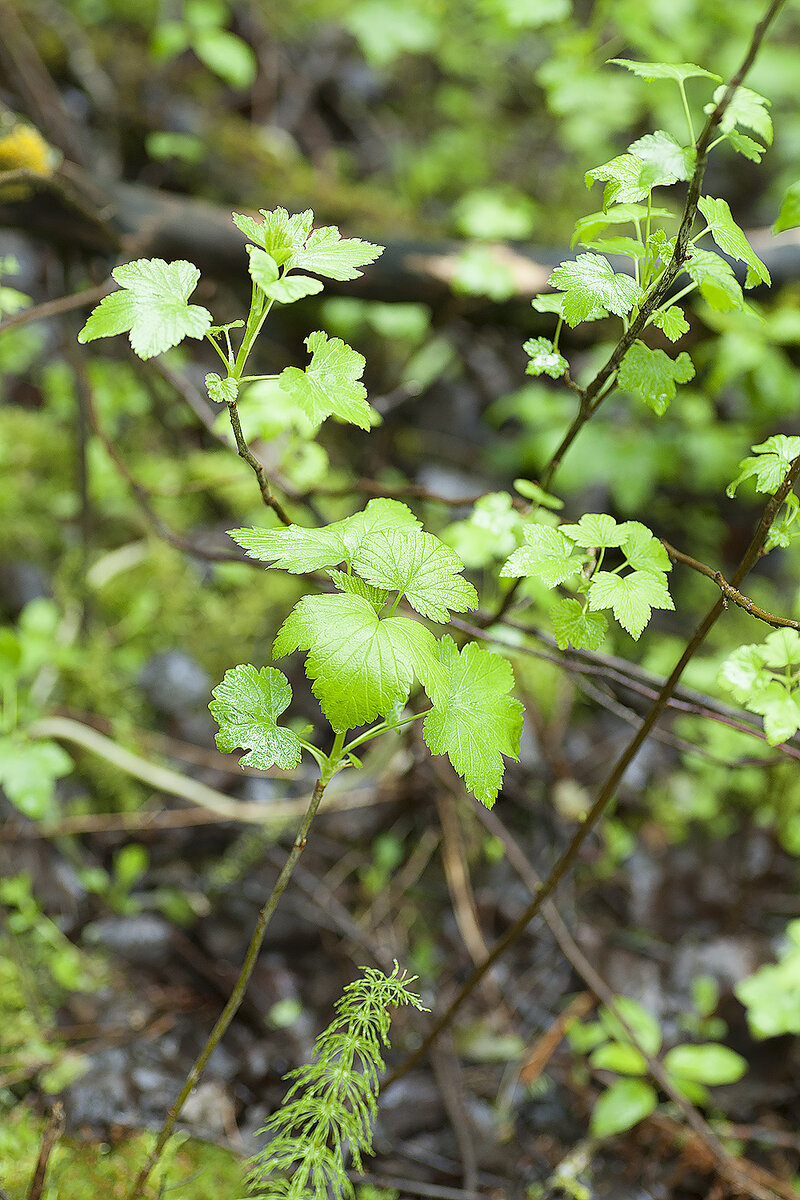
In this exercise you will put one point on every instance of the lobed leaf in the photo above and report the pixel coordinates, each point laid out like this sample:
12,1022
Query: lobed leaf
547,555
589,283
730,238
152,308
631,597
419,566
477,722
329,384
574,627
246,706
746,108
677,72
652,374
544,358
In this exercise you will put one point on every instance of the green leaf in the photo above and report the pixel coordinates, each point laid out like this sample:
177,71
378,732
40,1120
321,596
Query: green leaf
421,567
672,322
789,216
619,1057
710,1063
772,994
652,374
329,384
745,146
361,666
226,55
642,1022
326,252
357,587
596,529
298,549
630,597
589,283
544,358
730,238
574,627
262,267
742,672
780,710
279,234
28,772
553,302
222,391
746,108
588,227
716,280
152,307
782,648
769,466
477,722
293,287
547,555
628,179
678,72
664,155
623,1105
246,706
643,551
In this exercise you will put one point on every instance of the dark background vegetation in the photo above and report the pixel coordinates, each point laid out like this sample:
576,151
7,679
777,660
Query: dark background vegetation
440,130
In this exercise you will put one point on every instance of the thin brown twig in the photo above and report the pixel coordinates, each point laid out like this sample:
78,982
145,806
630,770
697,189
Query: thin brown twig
729,592
52,1132
56,308
246,453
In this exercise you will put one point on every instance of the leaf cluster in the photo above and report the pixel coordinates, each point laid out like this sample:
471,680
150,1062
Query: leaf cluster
765,678
557,555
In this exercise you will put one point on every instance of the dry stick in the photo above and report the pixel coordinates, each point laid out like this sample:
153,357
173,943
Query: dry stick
52,1133
737,1170
608,790
246,453
55,308
236,996
729,592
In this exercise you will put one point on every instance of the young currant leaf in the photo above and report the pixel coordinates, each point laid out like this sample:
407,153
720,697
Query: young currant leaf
746,108
547,555
780,710
246,706
589,283
357,587
596,529
329,384
664,155
553,302
652,374
678,72
715,278
630,597
361,666
262,267
326,252
544,358
477,722
152,307
617,245
789,216
770,464
730,238
743,672
672,322
643,551
620,1057
588,227
293,287
298,549
280,234
745,146
421,567
222,391
781,649
574,627
627,179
